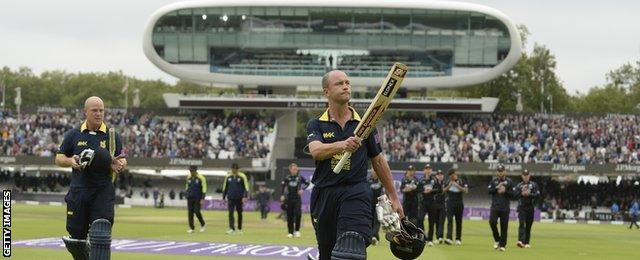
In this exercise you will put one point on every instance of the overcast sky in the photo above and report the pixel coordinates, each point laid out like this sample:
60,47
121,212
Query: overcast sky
588,38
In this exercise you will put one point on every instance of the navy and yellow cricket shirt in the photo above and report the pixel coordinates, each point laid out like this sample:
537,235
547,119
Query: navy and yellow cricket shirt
196,186
78,139
327,130
235,186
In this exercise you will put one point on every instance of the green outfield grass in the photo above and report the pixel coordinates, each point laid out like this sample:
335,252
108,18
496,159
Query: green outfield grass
550,241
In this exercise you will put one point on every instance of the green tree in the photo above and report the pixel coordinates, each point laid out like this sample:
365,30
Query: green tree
620,94
526,78
63,89
607,99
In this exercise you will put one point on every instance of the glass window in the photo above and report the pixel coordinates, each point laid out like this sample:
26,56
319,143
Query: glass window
204,19
447,20
168,23
419,22
477,22
395,23
185,18
272,11
185,48
496,28
257,10
293,20
331,20
171,48
367,21
243,10
200,48
301,11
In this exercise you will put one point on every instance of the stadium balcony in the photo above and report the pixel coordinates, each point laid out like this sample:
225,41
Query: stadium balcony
317,62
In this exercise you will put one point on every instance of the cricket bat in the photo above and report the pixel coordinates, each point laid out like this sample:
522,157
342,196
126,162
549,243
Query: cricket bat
387,91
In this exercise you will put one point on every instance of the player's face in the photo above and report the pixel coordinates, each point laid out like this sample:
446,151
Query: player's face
440,177
94,112
526,178
339,89
409,174
293,169
427,171
501,174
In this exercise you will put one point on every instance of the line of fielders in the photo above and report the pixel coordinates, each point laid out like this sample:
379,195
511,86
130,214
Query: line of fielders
439,198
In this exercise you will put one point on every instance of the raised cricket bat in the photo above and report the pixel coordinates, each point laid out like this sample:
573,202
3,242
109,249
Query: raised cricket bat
387,91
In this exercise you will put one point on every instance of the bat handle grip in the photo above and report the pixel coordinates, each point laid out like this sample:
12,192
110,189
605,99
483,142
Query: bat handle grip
343,160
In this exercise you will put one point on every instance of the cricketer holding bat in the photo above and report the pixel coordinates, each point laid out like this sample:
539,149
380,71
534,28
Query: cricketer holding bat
91,195
341,203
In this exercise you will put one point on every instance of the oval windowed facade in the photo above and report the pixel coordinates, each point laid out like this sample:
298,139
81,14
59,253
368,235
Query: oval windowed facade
444,44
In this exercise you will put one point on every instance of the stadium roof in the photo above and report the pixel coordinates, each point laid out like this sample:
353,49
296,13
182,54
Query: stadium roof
202,73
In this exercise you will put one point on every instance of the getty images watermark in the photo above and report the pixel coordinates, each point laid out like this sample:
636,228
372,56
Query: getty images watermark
6,223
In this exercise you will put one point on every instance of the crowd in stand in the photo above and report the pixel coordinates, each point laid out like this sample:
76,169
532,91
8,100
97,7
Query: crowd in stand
145,135
576,195
37,182
513,138
507,138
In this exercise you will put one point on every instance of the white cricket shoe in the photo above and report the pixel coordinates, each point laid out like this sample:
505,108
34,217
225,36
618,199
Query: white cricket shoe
495,245
289,235
297,234
189,231
458,243
430,243
527,246
202,229
230,232
502,249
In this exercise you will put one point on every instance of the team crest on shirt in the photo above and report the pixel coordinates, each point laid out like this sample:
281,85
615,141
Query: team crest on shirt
103,144
336,158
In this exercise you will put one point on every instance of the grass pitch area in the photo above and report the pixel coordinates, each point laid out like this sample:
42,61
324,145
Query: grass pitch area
549,241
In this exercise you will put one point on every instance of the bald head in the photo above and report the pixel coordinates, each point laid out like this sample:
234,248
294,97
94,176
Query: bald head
336,87
93,101
94,111
326,79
